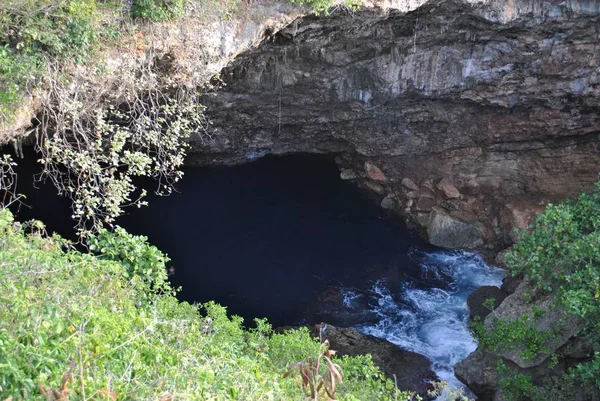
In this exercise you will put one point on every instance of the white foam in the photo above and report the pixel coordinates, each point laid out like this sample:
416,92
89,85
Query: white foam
349,297
433,321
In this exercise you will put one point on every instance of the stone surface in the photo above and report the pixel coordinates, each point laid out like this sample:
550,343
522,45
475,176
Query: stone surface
478,371
447,187
522,216
375,187
447,232
411,370
426,201
348,174
332,306
477,299
374,172
510,284
500,257
514,308
409,184
412,195
388,202
499,97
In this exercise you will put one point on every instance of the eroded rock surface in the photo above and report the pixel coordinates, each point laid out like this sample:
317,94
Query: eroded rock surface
479,370
412,370
478,307
479,106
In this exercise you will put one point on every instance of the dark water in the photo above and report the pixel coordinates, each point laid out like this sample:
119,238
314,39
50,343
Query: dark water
262,238
266,238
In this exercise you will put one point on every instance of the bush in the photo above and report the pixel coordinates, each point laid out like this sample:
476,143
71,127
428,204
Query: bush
139,259
157,10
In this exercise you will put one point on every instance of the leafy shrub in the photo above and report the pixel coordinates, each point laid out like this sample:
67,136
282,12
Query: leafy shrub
515,386
503,335
138,258
157,10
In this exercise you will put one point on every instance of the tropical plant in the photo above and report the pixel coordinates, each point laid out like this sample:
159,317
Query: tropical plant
317,376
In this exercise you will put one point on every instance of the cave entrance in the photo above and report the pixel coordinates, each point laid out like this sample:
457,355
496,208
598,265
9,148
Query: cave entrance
284,237
269,238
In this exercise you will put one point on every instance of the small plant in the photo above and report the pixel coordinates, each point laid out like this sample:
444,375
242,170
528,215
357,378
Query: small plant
318,5
59,305
521,333
490,304
353,4
317,376
157,10
559,257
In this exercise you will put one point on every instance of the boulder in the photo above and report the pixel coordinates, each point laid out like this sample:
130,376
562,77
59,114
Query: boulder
340,307
409,184
348,174
514,307
375,187
476,301
511,283
478,371
374,172
412,194
426,200
412,370
501,256
388,202
447,187
523,215
425,203
448,232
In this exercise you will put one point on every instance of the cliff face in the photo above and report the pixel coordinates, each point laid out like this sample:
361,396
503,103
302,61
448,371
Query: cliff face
467,118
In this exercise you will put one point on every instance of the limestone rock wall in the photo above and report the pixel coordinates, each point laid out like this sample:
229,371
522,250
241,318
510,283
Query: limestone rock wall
484,111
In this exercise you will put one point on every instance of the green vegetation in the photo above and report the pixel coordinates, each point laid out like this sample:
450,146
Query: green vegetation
33,32
316,4
157,10
560,256
505,335
81,326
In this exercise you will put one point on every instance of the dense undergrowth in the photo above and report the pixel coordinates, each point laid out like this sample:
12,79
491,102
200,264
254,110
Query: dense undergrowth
86,326
560,258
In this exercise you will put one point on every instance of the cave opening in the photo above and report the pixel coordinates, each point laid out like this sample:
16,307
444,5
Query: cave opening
284,237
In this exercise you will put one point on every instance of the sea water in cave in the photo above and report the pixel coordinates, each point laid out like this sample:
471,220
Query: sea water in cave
267,238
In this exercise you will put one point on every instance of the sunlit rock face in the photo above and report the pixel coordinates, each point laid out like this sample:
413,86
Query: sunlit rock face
477,112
